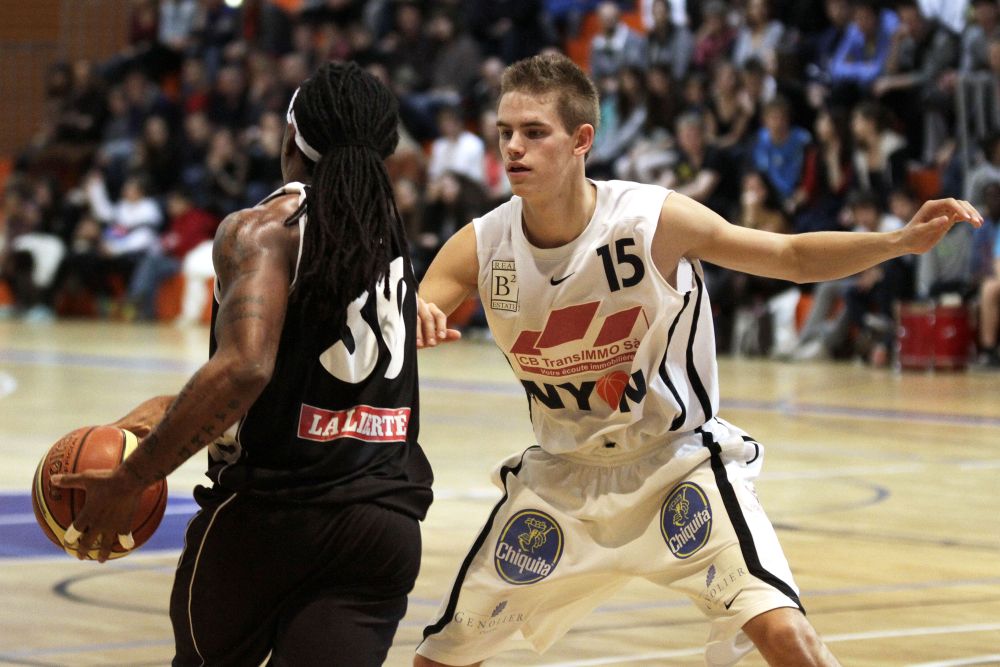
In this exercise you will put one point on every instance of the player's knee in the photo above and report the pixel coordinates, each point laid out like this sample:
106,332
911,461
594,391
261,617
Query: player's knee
792,640
785,637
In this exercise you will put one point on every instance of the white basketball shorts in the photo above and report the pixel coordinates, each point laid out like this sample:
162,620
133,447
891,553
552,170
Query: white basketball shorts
568,533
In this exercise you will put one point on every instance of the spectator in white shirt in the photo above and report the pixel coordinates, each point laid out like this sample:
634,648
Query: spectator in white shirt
130,223
615,46
456,150
109,242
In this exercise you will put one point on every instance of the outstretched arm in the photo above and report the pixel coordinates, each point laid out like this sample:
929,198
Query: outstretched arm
451,278
252,261
688,229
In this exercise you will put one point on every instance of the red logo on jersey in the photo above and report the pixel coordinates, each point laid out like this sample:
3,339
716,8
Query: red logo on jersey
362,422
574,341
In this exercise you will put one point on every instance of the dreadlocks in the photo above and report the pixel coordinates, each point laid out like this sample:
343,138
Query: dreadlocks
354,232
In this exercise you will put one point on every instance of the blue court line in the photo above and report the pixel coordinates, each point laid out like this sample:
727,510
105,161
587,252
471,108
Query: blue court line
783,407
20,536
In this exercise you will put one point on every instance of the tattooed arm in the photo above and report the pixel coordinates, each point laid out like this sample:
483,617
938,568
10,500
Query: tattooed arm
254,255
141,419
254,269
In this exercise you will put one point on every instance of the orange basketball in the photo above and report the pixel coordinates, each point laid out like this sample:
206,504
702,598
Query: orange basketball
90,448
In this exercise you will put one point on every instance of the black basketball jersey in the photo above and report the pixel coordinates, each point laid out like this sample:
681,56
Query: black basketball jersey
339,420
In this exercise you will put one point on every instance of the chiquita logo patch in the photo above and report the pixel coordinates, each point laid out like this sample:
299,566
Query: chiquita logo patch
686,520
529,547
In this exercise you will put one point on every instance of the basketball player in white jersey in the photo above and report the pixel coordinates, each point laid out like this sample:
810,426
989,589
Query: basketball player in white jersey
595,292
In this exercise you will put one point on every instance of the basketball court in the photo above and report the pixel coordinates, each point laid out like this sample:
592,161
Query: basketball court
882,486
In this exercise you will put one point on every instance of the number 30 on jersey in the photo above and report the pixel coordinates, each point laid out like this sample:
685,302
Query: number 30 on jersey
353,358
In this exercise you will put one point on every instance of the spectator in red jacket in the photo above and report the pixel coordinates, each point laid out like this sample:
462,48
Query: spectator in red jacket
187,227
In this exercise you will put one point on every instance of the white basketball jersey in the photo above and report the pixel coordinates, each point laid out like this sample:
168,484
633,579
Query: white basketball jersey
612,357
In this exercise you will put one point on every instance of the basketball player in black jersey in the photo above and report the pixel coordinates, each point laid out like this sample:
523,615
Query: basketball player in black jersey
308,541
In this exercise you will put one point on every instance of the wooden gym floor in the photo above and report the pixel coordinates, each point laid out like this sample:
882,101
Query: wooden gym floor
883,488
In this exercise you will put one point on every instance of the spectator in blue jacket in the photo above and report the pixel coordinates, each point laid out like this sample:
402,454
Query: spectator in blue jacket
780,148
862,54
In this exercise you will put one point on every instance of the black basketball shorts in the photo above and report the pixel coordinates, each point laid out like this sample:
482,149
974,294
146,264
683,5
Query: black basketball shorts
305,584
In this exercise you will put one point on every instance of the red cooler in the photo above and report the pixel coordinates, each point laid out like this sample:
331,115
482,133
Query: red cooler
930,336
915,336
952,337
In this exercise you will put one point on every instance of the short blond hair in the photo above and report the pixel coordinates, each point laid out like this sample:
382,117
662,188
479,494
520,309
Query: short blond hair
577,101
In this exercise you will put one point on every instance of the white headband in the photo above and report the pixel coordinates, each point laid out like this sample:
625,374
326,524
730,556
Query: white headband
300,141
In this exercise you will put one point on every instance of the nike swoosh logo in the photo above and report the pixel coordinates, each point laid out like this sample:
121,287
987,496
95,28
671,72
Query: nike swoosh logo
554,282
729,604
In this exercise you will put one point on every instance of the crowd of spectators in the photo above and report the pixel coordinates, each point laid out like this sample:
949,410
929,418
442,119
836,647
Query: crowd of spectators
784,115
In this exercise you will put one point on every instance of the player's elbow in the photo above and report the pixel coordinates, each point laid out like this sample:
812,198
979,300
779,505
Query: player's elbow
804,277
794,265
800,277
248,375
253,376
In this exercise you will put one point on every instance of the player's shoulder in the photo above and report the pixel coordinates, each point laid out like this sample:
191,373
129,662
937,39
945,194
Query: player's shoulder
278,208
497,220
631,199
631,188
511,207
283,203
274,212
265,225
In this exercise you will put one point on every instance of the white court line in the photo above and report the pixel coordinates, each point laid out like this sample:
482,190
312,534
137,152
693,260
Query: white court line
678,653
847,471
979,465
993,658
829,639
914,632
8,385
16,519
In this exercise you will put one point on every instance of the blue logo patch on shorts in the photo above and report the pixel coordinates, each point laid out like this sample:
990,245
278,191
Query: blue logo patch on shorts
529,547
686,520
